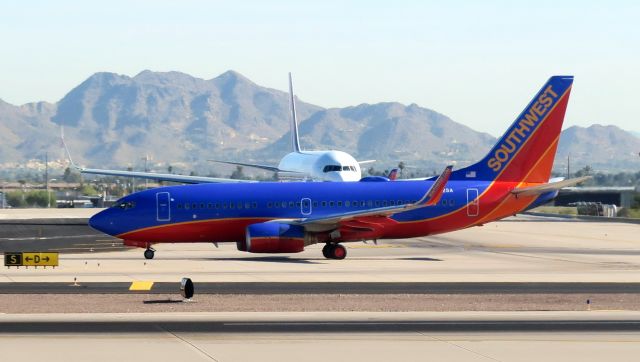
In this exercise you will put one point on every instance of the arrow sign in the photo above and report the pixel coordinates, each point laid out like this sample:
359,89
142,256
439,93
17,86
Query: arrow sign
40,259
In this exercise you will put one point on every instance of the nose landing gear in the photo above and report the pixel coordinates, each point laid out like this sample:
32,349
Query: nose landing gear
149,253
334,251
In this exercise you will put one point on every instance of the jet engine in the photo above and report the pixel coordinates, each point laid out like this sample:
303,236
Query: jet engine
273,238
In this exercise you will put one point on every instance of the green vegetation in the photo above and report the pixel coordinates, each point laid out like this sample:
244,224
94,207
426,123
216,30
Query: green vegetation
35,198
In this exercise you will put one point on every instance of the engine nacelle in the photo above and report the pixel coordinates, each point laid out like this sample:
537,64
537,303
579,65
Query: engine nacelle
273,238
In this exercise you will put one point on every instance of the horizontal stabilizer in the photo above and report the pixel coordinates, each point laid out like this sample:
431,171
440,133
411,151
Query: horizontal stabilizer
544,188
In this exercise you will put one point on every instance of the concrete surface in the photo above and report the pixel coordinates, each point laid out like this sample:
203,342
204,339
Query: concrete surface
323,336
520,249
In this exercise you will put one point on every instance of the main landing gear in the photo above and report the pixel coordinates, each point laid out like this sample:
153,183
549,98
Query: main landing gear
334,251
149,253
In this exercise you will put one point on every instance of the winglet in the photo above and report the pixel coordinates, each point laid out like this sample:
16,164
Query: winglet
66,149
433,195
295,139
393,174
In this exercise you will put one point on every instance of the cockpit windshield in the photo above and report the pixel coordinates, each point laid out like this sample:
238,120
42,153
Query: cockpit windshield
125,205
329,168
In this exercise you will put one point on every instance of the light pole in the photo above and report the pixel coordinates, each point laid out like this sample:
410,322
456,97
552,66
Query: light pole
3,196
49,193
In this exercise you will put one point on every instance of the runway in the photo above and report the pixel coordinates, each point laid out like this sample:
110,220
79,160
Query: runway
258,288
320,336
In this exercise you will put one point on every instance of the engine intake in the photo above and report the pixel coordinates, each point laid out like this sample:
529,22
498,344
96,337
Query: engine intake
273,238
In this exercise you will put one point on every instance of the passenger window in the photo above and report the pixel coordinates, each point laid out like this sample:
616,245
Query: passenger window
179,206
232,205
370,203
324,204
194,206
277,205
269,205
331,203
283,204
291,204
347,203
392,203
339,203
217,205
254,205
239,205
377,203
202,205
210,206
315,204
384,203
298,204
452,202
224,206
186,206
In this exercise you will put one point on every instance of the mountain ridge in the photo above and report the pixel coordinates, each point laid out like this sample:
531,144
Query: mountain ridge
112,120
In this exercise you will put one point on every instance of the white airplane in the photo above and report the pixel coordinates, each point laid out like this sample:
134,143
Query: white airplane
328,165
310,165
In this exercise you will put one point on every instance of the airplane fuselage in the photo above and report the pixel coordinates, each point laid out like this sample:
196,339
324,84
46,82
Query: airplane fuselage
222,212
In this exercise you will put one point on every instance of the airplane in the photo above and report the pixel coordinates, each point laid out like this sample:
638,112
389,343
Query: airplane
327,165
272,217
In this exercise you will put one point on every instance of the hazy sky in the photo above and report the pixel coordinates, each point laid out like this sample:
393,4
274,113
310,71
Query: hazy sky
479,62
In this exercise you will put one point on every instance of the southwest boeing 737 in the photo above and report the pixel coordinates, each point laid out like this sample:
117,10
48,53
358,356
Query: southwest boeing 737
274,217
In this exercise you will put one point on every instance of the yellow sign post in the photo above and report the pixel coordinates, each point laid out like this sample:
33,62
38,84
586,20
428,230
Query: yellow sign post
31,259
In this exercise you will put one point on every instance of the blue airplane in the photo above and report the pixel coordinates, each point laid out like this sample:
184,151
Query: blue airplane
276,217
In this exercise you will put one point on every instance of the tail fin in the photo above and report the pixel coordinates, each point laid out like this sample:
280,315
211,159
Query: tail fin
295,140
527,150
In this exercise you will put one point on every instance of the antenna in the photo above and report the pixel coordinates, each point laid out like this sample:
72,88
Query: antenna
295,140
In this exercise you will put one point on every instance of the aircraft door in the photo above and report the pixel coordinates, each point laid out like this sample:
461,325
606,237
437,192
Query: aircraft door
473,203
305,206
163,203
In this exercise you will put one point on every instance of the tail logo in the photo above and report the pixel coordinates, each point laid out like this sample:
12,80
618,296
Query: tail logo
521,130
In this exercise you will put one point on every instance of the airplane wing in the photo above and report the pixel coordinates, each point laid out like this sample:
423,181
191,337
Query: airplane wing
147,175
262,167
282,174
430,198
158,176
366,161
551,186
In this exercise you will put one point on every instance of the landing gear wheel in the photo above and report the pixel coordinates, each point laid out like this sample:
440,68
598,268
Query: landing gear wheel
338,252
148,254
326,251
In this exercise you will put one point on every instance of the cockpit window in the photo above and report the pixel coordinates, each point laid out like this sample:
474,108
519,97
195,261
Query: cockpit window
329,168
125,205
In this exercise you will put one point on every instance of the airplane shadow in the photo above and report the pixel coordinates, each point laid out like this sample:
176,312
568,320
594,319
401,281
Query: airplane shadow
268,259
419,258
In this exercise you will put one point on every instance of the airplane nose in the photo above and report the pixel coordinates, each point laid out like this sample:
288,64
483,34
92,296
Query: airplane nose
100,222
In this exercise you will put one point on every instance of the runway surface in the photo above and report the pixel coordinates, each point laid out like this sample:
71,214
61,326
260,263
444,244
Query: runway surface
321,336
329,288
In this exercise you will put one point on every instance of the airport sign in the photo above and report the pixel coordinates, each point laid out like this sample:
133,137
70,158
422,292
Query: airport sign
31,259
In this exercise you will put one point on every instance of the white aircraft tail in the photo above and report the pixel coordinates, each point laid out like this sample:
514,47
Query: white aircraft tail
295,139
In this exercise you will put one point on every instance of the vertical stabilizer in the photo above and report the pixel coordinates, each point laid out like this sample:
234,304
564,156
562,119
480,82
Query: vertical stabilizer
295,140
526,151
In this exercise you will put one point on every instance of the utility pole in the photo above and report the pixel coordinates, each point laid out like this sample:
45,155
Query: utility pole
146,158
568,166
46,177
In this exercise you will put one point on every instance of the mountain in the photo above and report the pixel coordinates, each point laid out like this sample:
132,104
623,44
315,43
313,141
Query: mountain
604,148
390,132
172,116
113,120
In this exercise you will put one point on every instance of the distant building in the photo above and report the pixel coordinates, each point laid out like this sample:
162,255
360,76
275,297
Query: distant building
619,196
